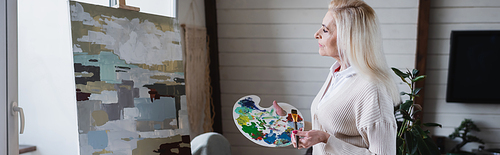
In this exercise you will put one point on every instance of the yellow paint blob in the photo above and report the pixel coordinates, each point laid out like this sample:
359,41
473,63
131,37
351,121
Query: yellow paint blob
102,152
100,117
242,120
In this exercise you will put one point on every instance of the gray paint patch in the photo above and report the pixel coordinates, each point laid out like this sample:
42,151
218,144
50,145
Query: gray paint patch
85,109
145,126
158,110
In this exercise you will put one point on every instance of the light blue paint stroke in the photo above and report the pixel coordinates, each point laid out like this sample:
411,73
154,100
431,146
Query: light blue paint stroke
158,110
292,125
98,139
106,61
180,73
157,126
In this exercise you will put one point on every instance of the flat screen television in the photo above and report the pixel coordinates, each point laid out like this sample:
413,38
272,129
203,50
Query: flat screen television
474,67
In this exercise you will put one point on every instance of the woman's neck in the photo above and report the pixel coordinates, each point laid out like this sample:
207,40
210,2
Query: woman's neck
343,65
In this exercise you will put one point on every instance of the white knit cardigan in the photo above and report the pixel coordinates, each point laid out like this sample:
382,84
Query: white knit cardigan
359,118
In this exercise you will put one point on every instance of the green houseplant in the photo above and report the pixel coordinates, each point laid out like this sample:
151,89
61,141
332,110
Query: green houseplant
462,132
411,138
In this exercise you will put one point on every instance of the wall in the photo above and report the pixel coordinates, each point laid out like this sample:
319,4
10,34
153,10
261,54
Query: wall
191,12
46,76
267,48
448,15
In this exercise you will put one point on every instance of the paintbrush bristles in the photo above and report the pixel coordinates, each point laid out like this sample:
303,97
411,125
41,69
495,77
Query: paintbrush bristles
294,115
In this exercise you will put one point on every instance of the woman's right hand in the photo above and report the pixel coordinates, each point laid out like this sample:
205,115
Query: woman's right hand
309,138
278,109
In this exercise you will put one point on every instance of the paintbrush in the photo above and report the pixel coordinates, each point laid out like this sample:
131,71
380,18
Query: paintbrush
295,119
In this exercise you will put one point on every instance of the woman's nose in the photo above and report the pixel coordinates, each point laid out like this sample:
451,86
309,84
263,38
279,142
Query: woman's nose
316,35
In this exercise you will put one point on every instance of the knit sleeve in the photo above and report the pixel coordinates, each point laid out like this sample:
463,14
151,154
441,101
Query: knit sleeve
381,139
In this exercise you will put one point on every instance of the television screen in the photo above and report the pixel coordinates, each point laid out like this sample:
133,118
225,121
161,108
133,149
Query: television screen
474,69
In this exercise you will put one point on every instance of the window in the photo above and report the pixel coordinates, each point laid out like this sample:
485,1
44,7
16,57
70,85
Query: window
157,7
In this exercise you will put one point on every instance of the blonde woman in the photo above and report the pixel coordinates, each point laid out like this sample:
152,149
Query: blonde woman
353,112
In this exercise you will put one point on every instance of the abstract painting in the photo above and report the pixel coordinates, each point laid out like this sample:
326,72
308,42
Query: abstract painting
129,78
262,125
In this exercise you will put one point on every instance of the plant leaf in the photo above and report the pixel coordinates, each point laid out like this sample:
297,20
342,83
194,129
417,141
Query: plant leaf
399,73
399,144
433,124
415,92
433,149
421,77
425,143
405,93
410,142
421,132
405,106
405,114
415,72
417,106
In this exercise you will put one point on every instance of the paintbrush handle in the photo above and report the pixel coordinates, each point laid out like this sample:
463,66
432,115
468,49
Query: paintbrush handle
296,137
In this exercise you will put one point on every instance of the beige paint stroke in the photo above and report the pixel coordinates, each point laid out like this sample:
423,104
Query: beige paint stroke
126,87
175,150
145,146
160,77
82,74
167,66
185,145
95,87
126,139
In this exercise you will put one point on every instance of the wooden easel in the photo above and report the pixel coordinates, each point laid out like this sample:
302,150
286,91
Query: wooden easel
123,5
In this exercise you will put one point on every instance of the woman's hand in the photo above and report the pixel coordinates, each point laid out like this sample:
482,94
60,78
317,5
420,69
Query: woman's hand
309,138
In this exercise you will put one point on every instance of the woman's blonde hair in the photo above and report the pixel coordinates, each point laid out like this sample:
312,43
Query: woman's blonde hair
359,40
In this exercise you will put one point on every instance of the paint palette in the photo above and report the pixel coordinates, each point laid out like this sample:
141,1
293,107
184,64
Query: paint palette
262,125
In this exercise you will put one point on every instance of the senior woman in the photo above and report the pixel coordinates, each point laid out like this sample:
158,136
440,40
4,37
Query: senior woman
353,113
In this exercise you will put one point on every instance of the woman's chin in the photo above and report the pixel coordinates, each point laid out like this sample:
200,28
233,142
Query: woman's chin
322,53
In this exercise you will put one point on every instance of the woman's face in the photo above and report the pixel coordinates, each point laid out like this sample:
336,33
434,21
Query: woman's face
327,37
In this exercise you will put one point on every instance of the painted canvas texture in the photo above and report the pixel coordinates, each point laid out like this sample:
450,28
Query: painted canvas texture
129,78
262,125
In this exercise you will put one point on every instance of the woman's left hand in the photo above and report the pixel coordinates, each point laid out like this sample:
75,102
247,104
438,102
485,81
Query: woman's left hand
309,138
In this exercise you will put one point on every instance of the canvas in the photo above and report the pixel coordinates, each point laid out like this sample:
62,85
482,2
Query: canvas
129,82
262,125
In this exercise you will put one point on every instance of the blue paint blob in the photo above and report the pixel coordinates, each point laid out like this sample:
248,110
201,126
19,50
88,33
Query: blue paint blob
242,110
286,136
249,104
98,139
270,138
